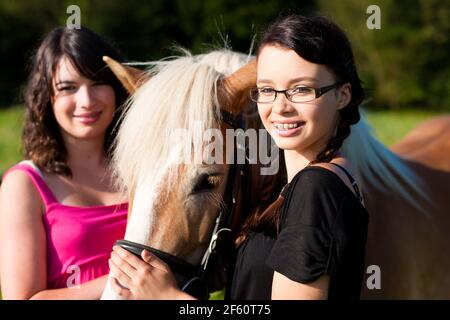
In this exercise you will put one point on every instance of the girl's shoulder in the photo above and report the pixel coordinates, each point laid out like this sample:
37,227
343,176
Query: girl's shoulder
26,181
316,188
21,171
313,185
20,186
317,196
332,175
315,176
340,170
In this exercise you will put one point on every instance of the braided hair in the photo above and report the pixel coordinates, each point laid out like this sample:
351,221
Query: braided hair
320,41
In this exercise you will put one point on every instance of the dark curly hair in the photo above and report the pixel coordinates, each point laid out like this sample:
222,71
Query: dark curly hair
41,138
317,40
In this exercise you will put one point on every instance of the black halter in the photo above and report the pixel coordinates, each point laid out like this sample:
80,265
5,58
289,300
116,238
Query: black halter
190,278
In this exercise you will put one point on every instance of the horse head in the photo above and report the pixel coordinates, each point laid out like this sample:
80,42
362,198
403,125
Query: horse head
176,159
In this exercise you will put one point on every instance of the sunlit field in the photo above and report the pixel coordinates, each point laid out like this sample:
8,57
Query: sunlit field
388,126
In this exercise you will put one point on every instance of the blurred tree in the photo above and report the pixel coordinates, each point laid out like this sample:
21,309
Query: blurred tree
405,64
143,30
22,26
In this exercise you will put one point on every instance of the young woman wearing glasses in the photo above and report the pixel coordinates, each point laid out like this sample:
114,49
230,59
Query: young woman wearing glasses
310,243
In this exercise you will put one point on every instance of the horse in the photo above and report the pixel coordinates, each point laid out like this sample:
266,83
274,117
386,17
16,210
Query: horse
405,194
177,209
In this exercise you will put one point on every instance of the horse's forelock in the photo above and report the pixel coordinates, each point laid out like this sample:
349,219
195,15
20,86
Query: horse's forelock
182,94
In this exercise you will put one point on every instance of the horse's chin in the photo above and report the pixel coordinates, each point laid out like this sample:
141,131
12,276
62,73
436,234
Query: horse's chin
109,293
195,257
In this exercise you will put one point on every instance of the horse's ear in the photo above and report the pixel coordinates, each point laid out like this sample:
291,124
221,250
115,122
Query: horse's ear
237,86
131,78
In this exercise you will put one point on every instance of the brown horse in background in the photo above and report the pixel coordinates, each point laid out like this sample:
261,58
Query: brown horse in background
409,240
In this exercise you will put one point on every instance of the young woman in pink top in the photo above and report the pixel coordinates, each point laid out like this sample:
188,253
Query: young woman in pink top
60,212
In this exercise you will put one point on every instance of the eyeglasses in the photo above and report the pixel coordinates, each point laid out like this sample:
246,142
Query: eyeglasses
297,94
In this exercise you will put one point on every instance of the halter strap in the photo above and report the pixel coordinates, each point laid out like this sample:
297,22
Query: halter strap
176,264
230,119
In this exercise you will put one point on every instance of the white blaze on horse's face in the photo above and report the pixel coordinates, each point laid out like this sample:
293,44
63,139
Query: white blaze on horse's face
177,215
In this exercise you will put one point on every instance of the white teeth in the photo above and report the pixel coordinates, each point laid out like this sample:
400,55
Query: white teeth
285,126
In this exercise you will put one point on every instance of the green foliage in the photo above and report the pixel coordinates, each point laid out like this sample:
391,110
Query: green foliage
143,30
217,295
403,65
11,120
22,26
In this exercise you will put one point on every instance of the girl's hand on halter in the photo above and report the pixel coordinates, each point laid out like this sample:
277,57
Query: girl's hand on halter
147,280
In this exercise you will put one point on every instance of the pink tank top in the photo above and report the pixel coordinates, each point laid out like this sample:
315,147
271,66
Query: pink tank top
79,239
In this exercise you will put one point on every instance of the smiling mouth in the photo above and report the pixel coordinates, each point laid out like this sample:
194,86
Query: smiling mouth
89,118
287,126
93,115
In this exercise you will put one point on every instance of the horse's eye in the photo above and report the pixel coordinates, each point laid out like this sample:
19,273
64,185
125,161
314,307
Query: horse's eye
206,182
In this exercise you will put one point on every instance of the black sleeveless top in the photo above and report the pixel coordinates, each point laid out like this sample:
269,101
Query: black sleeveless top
323,230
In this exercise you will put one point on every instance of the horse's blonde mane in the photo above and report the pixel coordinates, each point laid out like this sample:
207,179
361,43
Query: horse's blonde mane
181,94
375,165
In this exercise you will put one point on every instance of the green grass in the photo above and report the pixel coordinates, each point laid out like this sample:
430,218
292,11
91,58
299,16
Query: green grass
217,295
11,120
391,126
